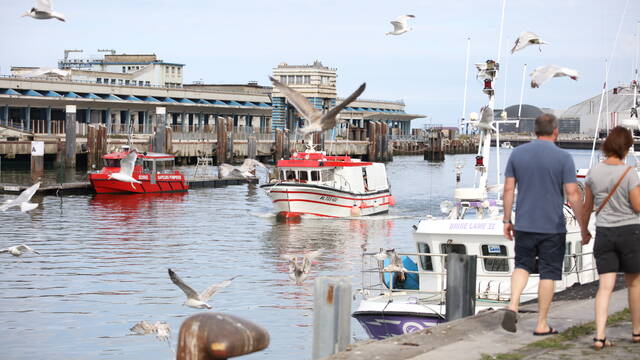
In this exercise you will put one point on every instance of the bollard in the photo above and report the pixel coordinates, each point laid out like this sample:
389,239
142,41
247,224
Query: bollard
37,160
216,336
461,286
70,137
331,316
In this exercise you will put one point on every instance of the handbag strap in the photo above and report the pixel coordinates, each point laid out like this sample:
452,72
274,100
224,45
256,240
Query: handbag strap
615,187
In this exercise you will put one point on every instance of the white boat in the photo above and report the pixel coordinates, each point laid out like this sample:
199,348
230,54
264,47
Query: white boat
314,184
472,225
506,145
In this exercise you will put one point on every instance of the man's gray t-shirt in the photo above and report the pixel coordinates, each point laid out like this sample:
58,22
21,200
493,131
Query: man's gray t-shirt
617,211
541,169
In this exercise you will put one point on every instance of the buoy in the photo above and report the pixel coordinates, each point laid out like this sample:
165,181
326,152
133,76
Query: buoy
355,211
288,217
392,200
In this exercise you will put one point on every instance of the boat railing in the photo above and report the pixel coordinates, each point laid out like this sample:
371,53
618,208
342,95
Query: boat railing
374,282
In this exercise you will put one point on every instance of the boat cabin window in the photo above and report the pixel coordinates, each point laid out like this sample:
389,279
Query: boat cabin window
112,162
327,175
579,257
452,249
291,175
282,175
425,260
303,175
315,175
567,258
490,264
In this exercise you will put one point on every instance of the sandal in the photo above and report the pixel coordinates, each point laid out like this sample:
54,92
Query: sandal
551,331
604,342
635,338
509,320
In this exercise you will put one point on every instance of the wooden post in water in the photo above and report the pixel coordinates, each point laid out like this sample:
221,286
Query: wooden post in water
221,141
371,133
331,316
159,141
217,336
37,160
168,140
252,147
461,286
277,155
70,137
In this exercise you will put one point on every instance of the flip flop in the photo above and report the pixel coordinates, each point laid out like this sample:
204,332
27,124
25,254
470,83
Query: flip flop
509,320
605,343
634,336
551,331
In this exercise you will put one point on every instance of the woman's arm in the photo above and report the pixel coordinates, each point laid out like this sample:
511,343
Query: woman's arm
588,203
634,198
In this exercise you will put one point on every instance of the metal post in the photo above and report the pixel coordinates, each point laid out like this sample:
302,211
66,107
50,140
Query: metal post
49,120
27,120
6,115
70,136
331,316
159,143
108,121
461,286
145,122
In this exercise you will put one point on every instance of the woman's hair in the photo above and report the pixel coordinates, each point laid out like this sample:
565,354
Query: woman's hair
617,143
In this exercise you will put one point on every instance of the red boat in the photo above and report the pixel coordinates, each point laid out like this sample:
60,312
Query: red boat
153,173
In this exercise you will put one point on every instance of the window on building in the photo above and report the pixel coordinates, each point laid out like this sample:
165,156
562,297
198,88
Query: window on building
315,175
179,69
124,69
99,80
113,81
501,265
126,82
147,83
128,68
425,260
140,83
166,69
450,248
119,81
173,70
307,79
298,79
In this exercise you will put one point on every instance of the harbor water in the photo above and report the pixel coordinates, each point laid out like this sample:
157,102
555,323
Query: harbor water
104,259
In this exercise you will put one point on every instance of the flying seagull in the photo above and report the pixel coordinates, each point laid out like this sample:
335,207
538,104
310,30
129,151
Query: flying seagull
18,250
195,300
160,328
243,171
23,199
543,74
400,25
44,11
299,268
126,169
527,38
316,120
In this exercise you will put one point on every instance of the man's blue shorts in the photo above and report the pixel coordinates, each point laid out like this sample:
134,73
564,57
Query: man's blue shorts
548,248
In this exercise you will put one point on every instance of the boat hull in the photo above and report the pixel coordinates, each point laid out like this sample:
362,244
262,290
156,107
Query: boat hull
381,325
163,183
321,201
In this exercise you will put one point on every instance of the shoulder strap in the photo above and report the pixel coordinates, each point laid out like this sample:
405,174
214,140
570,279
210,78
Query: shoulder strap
615,187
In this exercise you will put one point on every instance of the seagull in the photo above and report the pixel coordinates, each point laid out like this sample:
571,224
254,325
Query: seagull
18,250
381,255
23,199
316,120
44,11
543,74
400,25
395,265
300,268
126,169
486,118
160,328
527,38
195,300
243,171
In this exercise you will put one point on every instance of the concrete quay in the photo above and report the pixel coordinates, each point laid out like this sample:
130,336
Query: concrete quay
481,337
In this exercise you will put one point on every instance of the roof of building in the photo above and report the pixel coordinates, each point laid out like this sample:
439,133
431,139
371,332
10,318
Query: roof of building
619,99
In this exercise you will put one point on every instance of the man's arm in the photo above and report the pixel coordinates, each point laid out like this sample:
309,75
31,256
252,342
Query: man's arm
575,200
507,206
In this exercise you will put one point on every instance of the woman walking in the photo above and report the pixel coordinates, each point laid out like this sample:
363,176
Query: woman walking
614,188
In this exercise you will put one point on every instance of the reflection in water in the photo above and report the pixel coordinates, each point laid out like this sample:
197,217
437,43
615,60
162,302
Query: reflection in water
104,259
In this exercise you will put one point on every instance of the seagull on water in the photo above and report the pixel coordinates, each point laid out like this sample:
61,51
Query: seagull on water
160,328
18,250
401,25
243,171
44,11
23,199
543,74
527,38
299,268
126,169
315,119
195,300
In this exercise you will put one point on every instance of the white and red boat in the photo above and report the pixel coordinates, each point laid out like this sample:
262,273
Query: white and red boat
312,183
153,173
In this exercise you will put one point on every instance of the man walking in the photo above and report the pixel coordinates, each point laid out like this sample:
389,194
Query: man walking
541,171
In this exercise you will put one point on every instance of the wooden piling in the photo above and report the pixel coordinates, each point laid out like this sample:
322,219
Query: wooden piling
96,145
221,143
278,153
371,132
252,147
70,136
461,286
159,141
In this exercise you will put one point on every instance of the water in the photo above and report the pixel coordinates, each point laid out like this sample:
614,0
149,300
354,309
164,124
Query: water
104,262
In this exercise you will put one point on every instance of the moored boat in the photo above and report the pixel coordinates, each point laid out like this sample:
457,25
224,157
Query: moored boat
152,172
312,183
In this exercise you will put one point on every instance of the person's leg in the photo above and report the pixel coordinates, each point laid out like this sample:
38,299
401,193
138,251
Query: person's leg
605,288
546,288
519,280
551,248
633,285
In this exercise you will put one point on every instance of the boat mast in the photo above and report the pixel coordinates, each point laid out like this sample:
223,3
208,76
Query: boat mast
524,74
466,80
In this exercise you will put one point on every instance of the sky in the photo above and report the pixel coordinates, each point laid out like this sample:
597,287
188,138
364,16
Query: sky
243,40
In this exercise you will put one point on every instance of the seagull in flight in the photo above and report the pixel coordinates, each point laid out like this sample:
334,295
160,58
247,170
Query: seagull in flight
160,328
23,199
18,250
543,74
299,268
44,11
243,171
401,25
127,165
315,119
195,300
527,38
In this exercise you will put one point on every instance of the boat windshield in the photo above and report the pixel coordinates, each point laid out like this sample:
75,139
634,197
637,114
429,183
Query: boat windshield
112,162
161,165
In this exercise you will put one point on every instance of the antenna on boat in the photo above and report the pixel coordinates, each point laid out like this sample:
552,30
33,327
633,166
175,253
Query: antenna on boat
466,80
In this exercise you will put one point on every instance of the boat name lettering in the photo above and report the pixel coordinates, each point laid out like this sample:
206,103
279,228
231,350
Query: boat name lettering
471,226
329,198
169,177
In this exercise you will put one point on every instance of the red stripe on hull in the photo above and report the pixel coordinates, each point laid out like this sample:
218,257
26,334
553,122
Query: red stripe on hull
325,194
